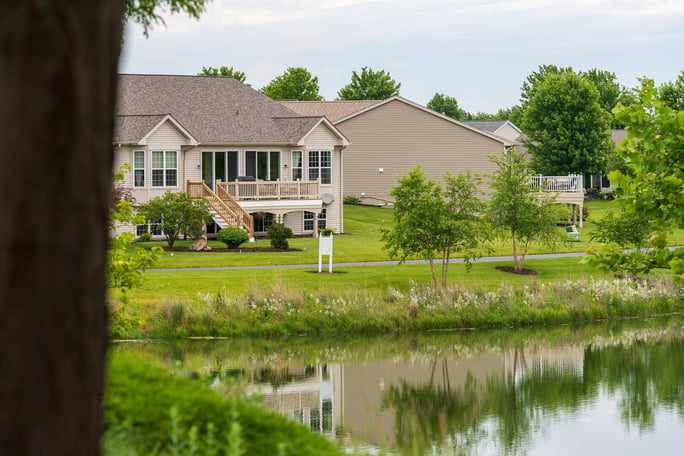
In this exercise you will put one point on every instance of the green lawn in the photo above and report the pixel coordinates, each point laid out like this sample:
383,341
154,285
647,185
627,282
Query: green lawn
361,242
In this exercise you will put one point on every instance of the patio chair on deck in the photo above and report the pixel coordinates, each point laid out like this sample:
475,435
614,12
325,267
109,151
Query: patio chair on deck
573,234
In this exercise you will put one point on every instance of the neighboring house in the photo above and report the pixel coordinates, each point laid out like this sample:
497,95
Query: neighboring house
504,128
390,137
253,160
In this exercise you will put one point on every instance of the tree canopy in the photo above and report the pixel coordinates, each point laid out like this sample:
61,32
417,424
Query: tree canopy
517,211
444,104
369,85
293,84
672,93
223,71
434,221
567,129
654,155
146,12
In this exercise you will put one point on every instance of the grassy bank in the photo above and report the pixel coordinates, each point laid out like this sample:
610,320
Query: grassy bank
362,299
284,309
149,412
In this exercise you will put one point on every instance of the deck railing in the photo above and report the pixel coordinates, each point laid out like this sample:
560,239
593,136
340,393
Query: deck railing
272,190
223,204
566,184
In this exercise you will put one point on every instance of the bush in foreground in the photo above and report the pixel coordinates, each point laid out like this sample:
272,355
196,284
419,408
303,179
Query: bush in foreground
150,412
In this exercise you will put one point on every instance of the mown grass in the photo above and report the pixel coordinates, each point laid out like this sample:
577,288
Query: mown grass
361,242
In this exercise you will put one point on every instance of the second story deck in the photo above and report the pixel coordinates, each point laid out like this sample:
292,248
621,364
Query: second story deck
572,183
272,190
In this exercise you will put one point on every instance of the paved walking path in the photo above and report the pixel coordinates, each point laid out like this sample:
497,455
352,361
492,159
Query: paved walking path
373,263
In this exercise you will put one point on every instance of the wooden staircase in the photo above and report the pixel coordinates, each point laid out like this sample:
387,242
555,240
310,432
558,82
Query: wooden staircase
223,205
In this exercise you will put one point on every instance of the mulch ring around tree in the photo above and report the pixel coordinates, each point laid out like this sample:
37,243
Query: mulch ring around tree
513,271
242,250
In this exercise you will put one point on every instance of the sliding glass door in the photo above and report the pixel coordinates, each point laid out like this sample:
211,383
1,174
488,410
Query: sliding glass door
219,165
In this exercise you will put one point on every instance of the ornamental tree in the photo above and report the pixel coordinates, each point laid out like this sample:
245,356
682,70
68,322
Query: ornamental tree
176,213
519,212
293,84
369,85
435,222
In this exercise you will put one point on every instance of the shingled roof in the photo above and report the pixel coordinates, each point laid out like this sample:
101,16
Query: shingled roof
212,109
332,110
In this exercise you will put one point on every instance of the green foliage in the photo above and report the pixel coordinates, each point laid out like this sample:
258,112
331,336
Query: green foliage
609,90
293,84
448,106
434,222
124,267
672,93
146,12
176,213
568,132
279,234
223,71
369,85
517,210
628,230
145,237
232,236
654,155
150,412
352,200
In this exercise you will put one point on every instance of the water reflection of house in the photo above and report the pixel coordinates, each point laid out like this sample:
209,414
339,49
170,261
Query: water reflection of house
304,394
347,398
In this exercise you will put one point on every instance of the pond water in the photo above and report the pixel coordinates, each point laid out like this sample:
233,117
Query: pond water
604,389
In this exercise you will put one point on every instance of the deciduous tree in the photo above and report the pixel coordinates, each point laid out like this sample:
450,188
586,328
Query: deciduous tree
58,73
567,129
369,85
223,71
518,211
444,104
434,222
293,84
672,93
654,154
176,213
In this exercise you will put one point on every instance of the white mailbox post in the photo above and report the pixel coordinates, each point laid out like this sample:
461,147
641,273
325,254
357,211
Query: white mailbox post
325,247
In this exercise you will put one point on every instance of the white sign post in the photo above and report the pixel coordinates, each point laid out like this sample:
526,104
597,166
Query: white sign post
325,247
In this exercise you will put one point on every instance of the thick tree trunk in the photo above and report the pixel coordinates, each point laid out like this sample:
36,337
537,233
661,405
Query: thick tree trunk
58,62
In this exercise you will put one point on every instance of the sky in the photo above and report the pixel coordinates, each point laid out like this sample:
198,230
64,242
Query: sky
477,51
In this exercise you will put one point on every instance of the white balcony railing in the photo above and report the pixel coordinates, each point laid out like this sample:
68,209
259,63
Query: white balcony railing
566,184
272,190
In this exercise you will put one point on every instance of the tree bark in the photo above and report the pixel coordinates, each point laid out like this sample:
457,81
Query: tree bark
58,69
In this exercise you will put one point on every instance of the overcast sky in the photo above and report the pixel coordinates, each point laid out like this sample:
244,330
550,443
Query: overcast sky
478,51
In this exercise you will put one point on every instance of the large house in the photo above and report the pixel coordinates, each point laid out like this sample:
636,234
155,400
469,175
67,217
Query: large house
391,136
252,159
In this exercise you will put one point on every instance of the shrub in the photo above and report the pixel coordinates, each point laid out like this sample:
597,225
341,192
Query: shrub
278,234
352,200
145,237
233,236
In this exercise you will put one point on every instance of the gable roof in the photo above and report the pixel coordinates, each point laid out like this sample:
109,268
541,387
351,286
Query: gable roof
211,110
333,110
356,108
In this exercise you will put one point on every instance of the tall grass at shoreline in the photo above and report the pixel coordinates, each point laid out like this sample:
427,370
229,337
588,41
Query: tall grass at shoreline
280,310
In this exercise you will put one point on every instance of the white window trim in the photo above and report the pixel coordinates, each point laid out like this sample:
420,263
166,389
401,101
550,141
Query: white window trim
293,167
319,167
164,169
256,164
143,169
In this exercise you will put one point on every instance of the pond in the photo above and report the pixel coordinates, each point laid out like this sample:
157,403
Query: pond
603,389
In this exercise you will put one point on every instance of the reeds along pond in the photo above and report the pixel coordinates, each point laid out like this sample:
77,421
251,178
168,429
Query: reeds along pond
285,310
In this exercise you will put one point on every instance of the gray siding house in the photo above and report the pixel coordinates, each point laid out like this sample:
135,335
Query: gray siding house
252,159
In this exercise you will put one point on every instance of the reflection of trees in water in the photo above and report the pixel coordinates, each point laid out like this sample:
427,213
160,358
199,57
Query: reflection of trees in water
645,376
507,409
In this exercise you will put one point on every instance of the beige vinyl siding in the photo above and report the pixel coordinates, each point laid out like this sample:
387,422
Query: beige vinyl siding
122,156
396,136
322,139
